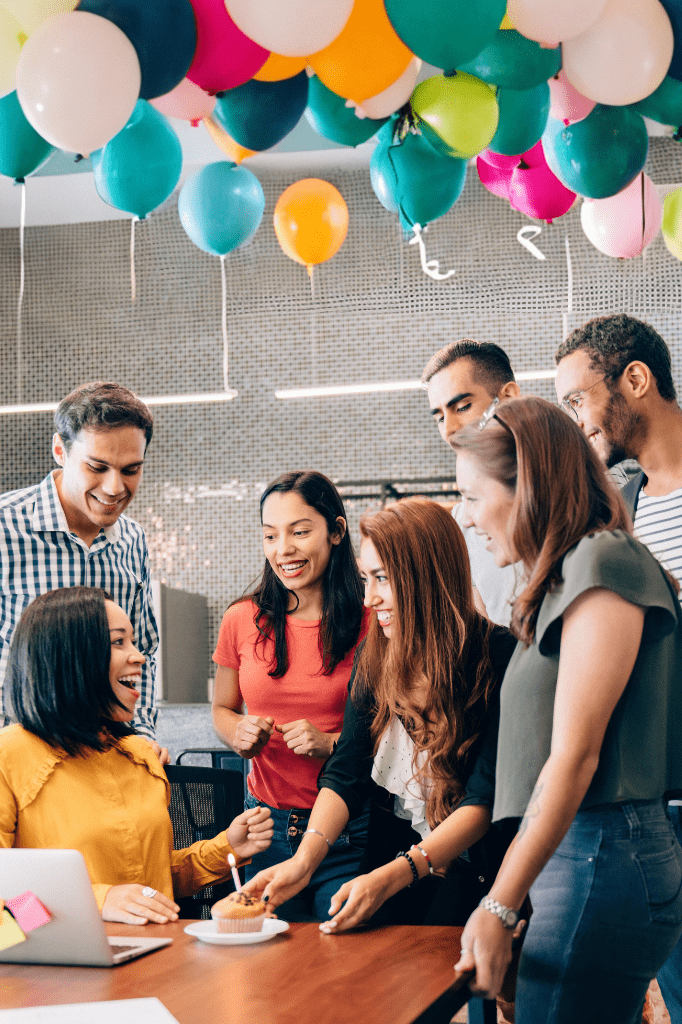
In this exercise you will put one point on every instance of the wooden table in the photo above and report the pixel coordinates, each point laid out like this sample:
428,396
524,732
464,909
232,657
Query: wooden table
395,975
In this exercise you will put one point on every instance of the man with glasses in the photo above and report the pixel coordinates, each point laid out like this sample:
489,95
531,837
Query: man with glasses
614,375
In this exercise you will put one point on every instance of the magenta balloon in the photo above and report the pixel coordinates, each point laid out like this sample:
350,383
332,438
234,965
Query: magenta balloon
623,225
567,104
501,160
538,193
224,57
535,157
495,179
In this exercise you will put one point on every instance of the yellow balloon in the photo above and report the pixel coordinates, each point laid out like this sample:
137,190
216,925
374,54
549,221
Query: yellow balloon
31,13
311,221
366,58
506,22
277,68
672,223
12,38
226,142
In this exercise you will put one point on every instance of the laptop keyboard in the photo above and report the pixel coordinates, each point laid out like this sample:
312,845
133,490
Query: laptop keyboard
122,949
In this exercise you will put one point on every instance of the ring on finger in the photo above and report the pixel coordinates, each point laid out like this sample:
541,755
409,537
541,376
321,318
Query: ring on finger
149,892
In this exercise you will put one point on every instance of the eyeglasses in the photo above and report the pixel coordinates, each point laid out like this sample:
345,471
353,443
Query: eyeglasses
491,414
573,402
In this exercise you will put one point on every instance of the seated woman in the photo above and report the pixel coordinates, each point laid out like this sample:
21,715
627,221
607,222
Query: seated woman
590,738
73,775
423,692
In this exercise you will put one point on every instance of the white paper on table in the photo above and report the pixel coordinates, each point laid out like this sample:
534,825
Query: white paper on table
132,1011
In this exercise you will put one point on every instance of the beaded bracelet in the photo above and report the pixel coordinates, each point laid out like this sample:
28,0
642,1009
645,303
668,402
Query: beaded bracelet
425,855
415,873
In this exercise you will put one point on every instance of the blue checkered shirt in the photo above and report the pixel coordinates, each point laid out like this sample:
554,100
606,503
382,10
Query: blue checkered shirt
38,552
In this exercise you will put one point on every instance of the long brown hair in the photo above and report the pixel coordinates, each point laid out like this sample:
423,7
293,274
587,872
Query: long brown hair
436,633
562,492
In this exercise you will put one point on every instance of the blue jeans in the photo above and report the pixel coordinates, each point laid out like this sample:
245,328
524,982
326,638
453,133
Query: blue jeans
607,913
670,975
341,863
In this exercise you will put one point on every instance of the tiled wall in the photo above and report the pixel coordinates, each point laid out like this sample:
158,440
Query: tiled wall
375,316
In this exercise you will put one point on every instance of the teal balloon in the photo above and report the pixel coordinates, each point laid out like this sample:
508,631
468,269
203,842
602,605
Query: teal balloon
445,33
22,150
523,119
329,116
410,178
511,61
664,105
139,168
221,207
259,114
600,155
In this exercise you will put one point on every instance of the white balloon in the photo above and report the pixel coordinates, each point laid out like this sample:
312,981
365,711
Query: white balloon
292,28
624,56
549,21
78,80
11,37
396,96
31,13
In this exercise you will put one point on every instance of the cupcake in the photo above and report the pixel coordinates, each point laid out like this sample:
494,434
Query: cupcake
239,913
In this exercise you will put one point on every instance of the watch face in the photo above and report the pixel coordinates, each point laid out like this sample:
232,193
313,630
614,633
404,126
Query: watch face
510,918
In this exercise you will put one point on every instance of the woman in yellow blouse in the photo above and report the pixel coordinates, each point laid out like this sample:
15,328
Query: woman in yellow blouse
73,775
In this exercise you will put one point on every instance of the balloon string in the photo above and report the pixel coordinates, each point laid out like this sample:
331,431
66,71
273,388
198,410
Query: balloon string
430,267
524,235
313,326
20,302
133,282
223,279
569,276
643,211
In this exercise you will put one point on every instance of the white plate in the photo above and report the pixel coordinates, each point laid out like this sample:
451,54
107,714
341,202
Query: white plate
207,931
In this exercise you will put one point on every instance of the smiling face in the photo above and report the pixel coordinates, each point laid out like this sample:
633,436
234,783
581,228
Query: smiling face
378,593
99,476
487,505
125,666
296,541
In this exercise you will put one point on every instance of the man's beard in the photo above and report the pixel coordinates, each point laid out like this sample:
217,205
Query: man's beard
623,430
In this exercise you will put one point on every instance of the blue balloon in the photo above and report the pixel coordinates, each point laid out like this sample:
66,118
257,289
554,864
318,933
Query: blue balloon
328,115
513,62
163,33
139,168
221,207
673,9
259,114
22,150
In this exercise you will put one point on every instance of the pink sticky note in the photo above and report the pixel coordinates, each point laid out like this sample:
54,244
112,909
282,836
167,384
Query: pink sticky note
10,932
28,911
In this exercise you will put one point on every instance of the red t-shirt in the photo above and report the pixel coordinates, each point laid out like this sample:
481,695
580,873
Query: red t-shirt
279,777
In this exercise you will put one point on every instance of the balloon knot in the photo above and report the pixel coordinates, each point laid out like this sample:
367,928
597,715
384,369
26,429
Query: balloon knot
522,165
678,135
78,157
195,121
449,74
22,37
20,181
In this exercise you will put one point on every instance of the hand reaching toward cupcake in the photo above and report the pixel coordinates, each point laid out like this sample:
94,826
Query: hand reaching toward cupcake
250,832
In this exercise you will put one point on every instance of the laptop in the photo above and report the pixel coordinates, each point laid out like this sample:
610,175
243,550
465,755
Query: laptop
76,934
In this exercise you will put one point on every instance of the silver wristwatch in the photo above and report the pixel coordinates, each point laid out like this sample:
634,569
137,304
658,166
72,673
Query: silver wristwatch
508,917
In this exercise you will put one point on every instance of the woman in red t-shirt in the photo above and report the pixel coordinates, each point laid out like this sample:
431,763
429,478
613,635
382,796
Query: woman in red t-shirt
286,651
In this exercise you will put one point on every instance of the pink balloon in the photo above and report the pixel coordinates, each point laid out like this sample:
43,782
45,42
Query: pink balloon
186,101
501,160
224,57
567,104
538,193
535,157
495,179
623,225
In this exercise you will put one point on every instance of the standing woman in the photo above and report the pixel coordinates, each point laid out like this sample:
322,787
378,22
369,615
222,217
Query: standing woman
286,651
590,739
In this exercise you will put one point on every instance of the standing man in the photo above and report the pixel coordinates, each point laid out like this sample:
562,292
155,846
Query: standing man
69,529
461,381
614,376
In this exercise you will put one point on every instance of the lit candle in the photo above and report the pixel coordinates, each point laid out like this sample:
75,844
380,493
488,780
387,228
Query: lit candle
235,874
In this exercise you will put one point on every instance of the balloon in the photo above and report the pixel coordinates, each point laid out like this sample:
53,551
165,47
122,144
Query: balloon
567,104
31,13
11,38
163,34
259,114
458,113
366,58
22,150
495,179
139,168
393,98
230,148
598,156
445,33
224,57
673,8
294,28
624,56
78,80
513,62
623,225
672,223
329,116
186,101
547,21
277,67
311,221
523,118
665,104
221,207
529,185
411,178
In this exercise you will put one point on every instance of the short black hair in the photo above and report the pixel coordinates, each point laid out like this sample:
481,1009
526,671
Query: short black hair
491,363
615,341
101,405
58,670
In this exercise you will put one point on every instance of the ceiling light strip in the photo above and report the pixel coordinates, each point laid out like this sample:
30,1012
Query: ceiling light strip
210,396
399,385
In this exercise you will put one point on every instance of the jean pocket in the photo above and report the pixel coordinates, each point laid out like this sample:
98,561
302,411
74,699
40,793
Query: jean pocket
661,875
355,833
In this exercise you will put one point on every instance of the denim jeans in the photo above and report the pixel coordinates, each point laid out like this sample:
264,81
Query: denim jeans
670,975
341,863
607,913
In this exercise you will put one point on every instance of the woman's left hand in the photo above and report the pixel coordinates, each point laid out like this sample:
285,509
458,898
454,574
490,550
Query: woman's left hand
306,739
363,896
250,832
486,947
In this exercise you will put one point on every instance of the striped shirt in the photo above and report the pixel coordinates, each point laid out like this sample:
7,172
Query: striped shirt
658,524
38,552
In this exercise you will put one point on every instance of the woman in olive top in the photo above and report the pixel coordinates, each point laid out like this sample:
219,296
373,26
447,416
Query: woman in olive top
590,739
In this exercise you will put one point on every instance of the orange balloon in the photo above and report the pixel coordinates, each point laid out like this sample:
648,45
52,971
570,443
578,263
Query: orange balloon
366,58
226,142
311,221
277,68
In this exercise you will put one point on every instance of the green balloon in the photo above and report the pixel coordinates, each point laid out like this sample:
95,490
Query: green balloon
664,105
672,223
329,116
511,61
445,33
457,113
523,118
22,150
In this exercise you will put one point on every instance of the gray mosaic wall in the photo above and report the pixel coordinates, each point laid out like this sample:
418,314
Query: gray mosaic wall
375,316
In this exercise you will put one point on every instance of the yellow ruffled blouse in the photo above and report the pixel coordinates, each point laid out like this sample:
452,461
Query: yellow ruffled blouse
112,806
